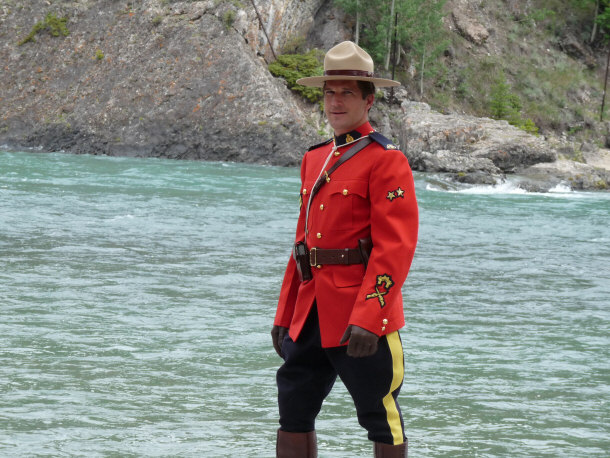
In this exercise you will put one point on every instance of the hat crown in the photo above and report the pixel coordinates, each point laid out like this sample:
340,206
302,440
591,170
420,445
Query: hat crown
348,56
347,61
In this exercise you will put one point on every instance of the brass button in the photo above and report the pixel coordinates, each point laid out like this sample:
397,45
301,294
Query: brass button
319,235
322,207
319,266
327,179
345,192
304,191
337,153
385,321
383,328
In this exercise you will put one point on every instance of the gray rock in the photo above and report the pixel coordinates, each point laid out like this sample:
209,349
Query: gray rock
332,27
476,178
512,156
448,161
573,174
188,86
469,27
575,48
476,143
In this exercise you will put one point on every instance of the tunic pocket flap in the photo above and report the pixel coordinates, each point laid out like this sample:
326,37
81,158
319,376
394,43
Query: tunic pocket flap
348,187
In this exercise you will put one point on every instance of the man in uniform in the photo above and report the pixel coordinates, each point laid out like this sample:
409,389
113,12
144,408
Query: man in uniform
340,306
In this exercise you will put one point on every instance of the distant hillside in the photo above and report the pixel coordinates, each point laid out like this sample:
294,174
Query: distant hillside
540,49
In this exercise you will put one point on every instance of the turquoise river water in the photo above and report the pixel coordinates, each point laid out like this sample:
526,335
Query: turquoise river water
137,296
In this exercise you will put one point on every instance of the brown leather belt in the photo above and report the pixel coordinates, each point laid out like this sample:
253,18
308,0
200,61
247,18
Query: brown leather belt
321,256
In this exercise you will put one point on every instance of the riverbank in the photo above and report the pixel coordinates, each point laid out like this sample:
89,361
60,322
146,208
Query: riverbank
189,80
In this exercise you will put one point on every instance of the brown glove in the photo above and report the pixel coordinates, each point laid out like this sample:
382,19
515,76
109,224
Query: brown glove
277,336
361,342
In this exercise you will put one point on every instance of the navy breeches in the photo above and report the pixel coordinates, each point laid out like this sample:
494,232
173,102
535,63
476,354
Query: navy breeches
309,372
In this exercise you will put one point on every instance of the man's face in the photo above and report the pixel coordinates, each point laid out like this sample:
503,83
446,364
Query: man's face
344,106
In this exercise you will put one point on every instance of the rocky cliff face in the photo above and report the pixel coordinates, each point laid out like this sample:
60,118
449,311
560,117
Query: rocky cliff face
154,79
483,150
189,80
284,21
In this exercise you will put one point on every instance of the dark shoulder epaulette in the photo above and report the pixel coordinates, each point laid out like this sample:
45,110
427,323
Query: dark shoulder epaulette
320,144
383,141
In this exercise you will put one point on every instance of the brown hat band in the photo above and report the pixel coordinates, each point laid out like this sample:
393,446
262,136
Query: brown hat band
348,73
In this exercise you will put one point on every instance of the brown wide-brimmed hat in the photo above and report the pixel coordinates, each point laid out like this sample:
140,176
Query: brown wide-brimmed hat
347,61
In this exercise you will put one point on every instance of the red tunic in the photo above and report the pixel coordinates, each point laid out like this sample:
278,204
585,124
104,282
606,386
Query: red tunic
370,195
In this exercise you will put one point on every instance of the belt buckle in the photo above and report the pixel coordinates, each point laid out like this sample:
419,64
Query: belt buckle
313,263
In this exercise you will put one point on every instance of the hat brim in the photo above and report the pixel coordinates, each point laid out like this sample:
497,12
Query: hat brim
318,81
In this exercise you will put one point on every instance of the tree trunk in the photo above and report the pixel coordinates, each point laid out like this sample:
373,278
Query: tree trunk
357,37
421,74
594,31
389,38
601,112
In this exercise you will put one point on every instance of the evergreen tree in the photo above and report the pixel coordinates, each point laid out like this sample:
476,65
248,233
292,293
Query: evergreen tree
603,15
352,7
600,15
422,33
416,24
503,103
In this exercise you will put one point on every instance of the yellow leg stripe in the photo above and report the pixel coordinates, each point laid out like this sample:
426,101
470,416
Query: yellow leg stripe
399,373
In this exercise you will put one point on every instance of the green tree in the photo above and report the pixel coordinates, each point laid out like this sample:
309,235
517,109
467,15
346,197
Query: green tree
423,33
372,31
603,16
600,15
416,24
504,104
352,7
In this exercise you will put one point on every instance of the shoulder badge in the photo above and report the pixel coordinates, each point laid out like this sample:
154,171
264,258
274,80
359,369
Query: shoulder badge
320,144
383,141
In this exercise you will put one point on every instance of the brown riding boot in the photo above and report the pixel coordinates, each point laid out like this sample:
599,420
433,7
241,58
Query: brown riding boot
391,451
296,445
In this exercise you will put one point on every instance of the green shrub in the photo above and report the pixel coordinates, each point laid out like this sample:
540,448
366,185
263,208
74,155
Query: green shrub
52,24
529,126
99,55
504,104
291,67
229,18
295,44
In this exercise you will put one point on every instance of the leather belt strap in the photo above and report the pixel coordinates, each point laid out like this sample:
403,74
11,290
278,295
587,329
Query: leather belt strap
346,256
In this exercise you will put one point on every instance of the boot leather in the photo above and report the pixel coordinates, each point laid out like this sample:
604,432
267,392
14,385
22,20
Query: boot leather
391,451
296,445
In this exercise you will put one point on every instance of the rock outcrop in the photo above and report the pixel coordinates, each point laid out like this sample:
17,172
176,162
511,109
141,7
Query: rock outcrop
167,80
484,151
470,28
190,80
285,22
